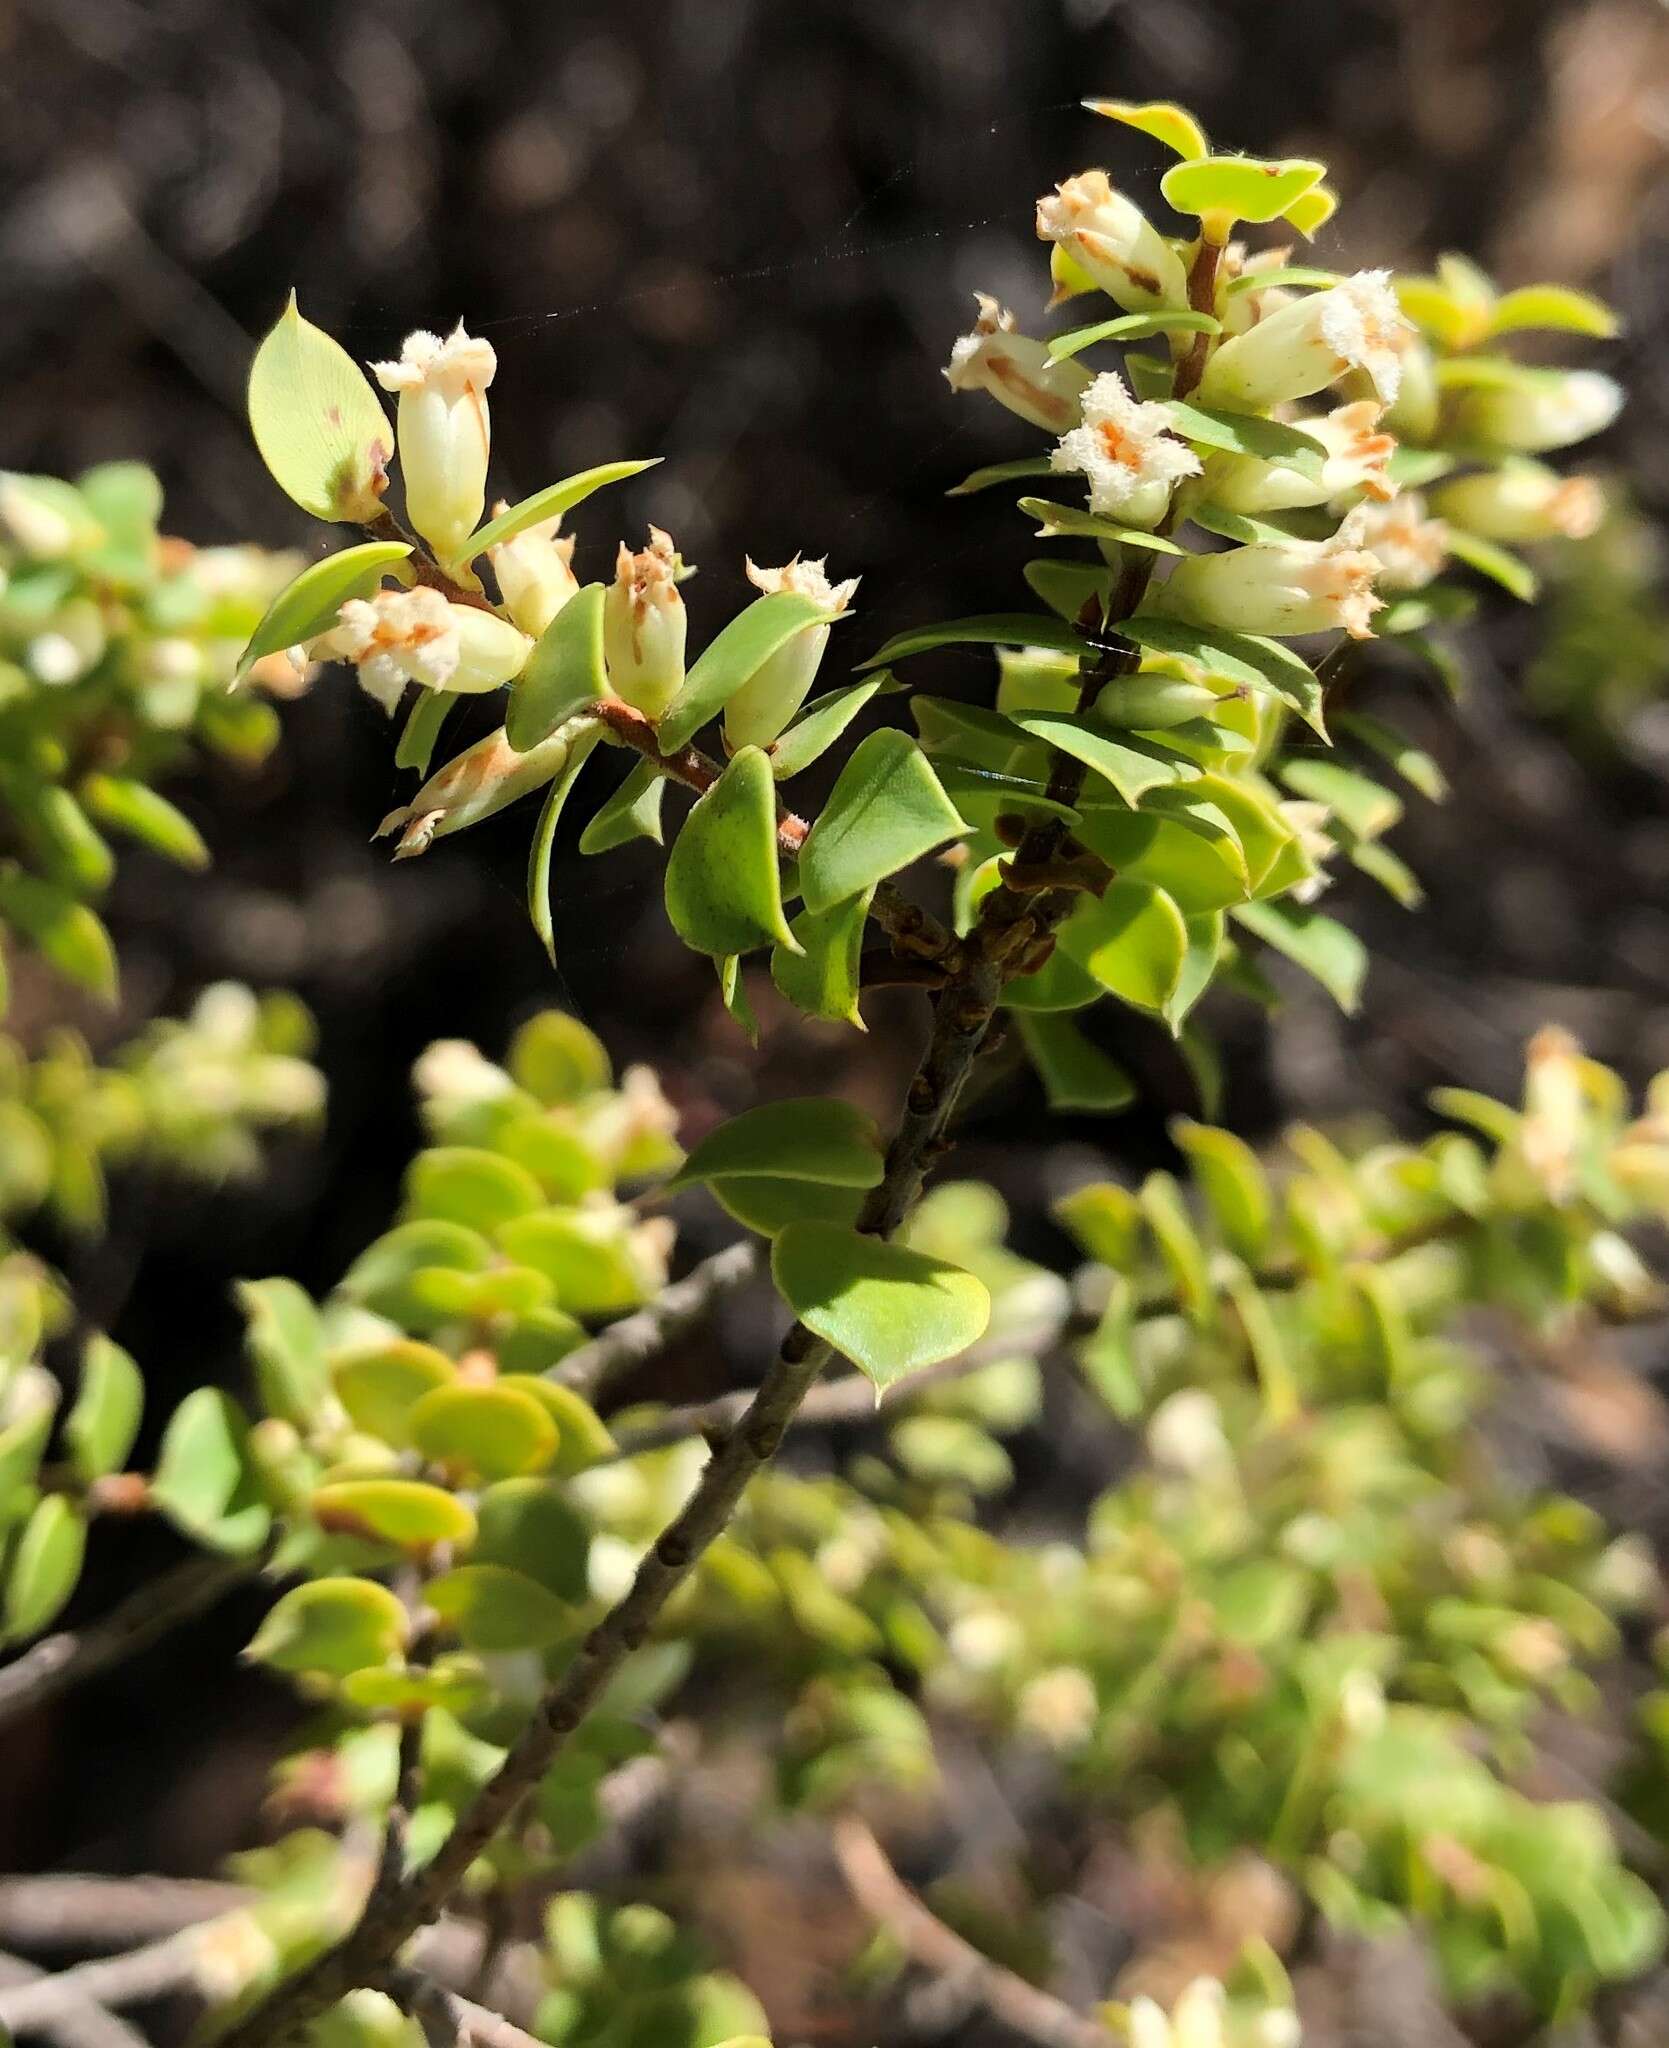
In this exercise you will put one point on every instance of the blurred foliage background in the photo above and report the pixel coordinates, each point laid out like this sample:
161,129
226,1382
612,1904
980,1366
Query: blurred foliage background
742,236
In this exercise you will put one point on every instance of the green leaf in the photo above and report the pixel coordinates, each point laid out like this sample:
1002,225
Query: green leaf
1066,587
203,1483
886,810
823,977
126,500
1076,1074
1389,870
1240,187
1303,277
483,1432
583,1438
1241,658
1233,1182
408,1514
133,807
767,1205
1199,964
102,1425
332,1626
64,932
1312,210
1499,564
723,880
530,1526
890,1310
1132,327
1554,306
1131,766
733,993
1071,522
819,726
380,1384
543,849
733,657
1412,763
1001,473
1245,433
1161,1203
1133,940
1239,526
423,728
317,422
309,605
550,503
496,1610
557,1059
22,1443
58,834
1166,122
1105,1220
286,1342
989,629
562,675
1329,951
1362,806
633,812
812,1137
466,1184
586,1254
45,1566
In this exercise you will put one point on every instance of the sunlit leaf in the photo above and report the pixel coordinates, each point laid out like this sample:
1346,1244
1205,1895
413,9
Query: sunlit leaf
890,1310
723,878
319,425
886,810
309,605
550,503
733,657
813,1137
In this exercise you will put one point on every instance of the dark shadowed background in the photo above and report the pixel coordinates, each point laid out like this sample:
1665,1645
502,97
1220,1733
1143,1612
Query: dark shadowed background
740,234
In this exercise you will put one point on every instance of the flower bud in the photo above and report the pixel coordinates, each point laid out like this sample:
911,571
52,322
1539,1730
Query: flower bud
1152,702
776,690
644,625
1411,548
1127,451
443,432
481,780
1357,453
1297,586
1015,370
401,636
1522,502
535,573
1412,414
1535,410
1113,242
1310,344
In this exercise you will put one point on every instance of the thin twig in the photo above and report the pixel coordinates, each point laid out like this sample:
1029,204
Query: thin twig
447,2017
637,1338
83,1911
84,2026
59,1661
925,1938
170,1964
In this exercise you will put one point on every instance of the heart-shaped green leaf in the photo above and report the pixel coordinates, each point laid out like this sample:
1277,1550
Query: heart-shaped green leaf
408,1514
332,1626
886,810
1075,1073
633,812
495,1609
102,1425
1239,187
890,1310
813,1137
45,1566
1133,940
309,605
823,977
203,1482
723,881
318,424
563,674
733,657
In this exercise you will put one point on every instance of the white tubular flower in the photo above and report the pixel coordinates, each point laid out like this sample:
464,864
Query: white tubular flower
1411,548
417,636
443,432
1297,586
481,780
1357,453
1126,449
1523,502
1537,410
1310,344
644,626
1114,243
774,692
1199,2015
535,572
1413,414
1015,369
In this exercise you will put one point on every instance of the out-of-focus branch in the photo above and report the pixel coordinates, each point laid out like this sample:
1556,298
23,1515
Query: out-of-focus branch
83,2025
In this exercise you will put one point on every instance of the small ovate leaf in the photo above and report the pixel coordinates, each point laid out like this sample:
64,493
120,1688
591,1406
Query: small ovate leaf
1066,587
456,1684
408,1514
890,1310
1556,307
1166,122
43,1569
822,979
64,932
133,807
1364,808
1303,277
1312,210
988,629
1076,1073
1132,327
530,1526
723,878
1324,948
469,1185
1389,870
332,1627
104,1421
1130,766
1245,433
484,1432
380,1384
564,673
587,1255
1199,964
496,1609
1239,187
1499,564
1247,659
814,1137
203,1483
819,726
309,605
733,657
541,853
733,993
1133,940
583,1438
1231,1178
1166,1214
633,812
767,1205
286,1343
1412,763
550,503
887,809
319,425
557,1059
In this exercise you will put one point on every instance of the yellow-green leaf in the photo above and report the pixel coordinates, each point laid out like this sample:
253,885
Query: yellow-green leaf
484,1432
890,1310
408,1514
310,604
333,1627
563,674
319,425
102,1425
815,1137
